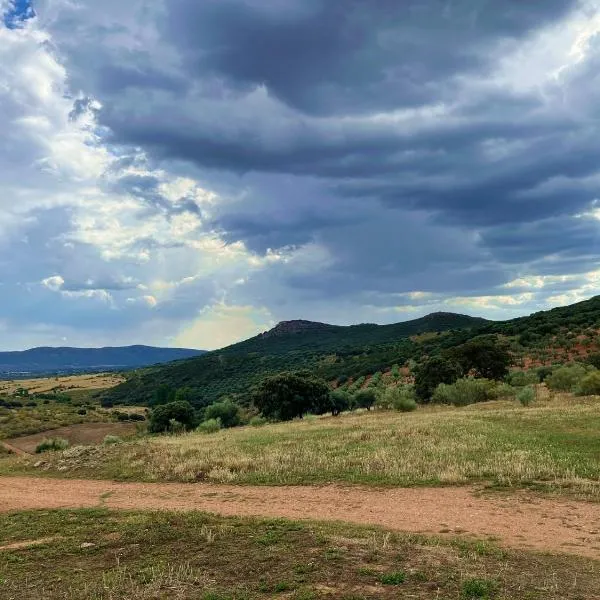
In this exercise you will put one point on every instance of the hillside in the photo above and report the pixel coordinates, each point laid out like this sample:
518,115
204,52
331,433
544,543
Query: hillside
330,351
72,360
339,353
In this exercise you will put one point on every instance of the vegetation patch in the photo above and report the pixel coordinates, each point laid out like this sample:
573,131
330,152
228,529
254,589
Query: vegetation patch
102,555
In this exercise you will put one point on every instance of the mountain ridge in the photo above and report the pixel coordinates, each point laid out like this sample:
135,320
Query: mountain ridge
69,359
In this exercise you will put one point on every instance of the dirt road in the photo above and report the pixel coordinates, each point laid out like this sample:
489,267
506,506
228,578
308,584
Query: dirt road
519,520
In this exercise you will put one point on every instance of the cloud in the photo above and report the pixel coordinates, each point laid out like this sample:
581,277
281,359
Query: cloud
169,163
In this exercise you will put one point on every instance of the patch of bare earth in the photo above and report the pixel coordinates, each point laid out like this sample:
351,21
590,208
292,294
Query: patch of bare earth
520,520
77,435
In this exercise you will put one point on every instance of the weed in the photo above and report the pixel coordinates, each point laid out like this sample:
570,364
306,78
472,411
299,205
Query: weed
478,588
52,445
394,578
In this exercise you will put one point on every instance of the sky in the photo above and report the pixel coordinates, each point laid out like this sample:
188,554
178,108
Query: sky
191,172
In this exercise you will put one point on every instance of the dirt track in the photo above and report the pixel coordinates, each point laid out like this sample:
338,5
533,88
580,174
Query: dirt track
518,520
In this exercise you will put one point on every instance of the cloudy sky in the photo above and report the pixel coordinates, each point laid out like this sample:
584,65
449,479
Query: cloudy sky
190,172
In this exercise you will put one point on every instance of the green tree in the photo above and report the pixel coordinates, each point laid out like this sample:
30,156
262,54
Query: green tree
483,356
339,401
164,394
162,415
365,399
435,370
288,395
227,411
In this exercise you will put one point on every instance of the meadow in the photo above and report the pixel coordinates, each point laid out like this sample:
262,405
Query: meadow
551,445
97,554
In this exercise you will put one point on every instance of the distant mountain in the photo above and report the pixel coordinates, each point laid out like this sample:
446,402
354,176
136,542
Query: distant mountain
73,360
329,351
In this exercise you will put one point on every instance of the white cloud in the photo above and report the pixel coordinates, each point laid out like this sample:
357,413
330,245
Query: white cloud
220,325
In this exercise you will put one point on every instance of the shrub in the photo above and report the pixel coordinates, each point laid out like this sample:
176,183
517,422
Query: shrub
209,426
82,411
526,395
464,392
226,411
400,398
161,417
365,399
51,444
589,385
504,390
564,379
258,421
110,440
176,427
522,378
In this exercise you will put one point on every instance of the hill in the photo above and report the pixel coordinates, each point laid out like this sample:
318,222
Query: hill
44,360
342,354
330,351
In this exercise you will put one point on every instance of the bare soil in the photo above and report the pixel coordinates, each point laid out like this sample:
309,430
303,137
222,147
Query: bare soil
519,520
83,434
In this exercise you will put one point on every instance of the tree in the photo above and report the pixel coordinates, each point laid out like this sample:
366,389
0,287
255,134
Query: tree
339,401
164,394
227,411
365,399
435,370
287,395
162,415
484,356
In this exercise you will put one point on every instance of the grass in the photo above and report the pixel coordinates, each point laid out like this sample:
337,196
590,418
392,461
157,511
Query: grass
553,444
102,555
28,420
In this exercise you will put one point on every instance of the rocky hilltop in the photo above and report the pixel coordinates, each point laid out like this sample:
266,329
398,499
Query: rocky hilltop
296,326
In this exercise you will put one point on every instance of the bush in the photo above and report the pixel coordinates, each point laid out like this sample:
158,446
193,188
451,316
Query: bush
227,412
258,421
52,445
209,426
589,385
464,392
504,390
110,440
526,395
161,417
82,411
565,379
522,378
364,399
400,398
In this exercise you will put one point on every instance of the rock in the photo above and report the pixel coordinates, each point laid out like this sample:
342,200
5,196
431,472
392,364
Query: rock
87,545
39,463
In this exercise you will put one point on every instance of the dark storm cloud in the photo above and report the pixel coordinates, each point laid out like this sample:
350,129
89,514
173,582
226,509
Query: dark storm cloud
331,56
382,132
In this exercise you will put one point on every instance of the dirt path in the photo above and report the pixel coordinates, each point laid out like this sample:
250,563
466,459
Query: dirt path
518,520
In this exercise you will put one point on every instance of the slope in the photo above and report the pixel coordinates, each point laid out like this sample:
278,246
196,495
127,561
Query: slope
329,351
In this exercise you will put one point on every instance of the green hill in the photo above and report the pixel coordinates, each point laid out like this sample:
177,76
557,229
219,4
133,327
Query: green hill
329,351
338,353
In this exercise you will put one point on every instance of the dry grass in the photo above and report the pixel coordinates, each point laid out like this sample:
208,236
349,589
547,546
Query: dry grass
98,381
552,444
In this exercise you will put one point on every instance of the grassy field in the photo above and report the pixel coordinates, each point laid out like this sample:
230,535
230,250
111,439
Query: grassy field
43,417
101,555
94,381
553,444
45,414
